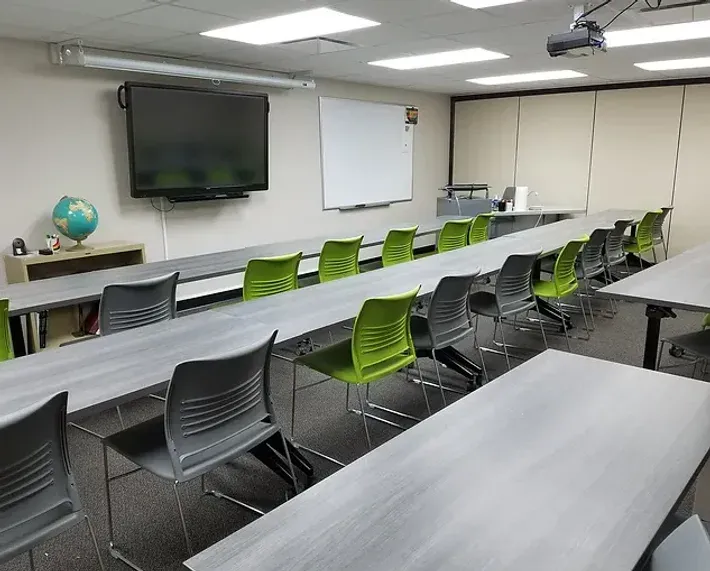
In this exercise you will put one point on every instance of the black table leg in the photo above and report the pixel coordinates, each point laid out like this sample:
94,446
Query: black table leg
18,337
654,315
553,312
272,455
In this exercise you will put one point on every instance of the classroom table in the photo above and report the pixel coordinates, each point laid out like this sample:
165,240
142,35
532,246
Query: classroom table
681,282
565,463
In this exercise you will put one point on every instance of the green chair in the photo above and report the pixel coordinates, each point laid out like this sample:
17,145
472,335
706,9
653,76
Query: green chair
339,259
564,281
6,350
269,276
706,321
399,246
381,345
479,228
643,241
453,235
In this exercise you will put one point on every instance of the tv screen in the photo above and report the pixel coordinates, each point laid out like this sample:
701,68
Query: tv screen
192,144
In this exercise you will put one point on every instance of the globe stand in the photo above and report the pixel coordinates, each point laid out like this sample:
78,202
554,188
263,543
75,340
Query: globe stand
79,247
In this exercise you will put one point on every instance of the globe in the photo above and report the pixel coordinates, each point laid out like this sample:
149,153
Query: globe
75,218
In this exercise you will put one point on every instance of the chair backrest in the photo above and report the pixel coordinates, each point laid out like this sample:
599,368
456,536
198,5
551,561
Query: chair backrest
269,276
382,339
658,223
211,402
686,549
130,305
592,259
514,287
6,350
644,231
564,275
448,316
399,246
453,235
614,247
37,488
339,259
479,228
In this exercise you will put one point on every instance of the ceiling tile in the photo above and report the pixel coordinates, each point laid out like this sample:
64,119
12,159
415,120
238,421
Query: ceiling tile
397,11
246,10
187,45
459,22
117,31
35,34
178,19
97,8
46,18
381,35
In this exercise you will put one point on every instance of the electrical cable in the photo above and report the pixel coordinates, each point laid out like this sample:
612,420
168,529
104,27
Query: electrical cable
160,209
610,22
592,10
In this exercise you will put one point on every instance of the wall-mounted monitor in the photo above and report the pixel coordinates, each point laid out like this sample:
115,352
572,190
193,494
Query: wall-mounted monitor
196,144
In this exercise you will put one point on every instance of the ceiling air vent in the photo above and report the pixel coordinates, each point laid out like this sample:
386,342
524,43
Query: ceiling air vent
317,46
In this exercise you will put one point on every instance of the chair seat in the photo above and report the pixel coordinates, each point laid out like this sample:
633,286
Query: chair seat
144,444
484,303
697,343
420,333
544,288
634,248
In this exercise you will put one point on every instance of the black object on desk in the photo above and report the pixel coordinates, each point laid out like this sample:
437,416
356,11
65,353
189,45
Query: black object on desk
18,247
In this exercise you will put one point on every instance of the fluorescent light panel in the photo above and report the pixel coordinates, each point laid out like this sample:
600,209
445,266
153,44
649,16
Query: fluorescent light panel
291,27
671,64
528,77
658,34
440,59
478,4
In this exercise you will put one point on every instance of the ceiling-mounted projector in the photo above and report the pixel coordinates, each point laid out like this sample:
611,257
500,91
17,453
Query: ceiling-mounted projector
585,39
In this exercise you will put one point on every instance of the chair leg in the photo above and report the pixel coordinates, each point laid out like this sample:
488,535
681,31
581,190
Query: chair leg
96,544
628,268
290,463
426,398
655,257
589,302
364,418
480,352
120,418
505,347
182,519
438,376
584,315
564,326
293,402
660,354
542,327
109,510
665,246
32,560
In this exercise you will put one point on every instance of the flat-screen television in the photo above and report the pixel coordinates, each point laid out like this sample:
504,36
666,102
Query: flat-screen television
193,144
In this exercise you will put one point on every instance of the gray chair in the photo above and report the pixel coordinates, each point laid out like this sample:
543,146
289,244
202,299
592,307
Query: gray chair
136,304
591,264
659,238
614,253
216,410
38,495
695,344
686,549
513,296
131,305
447,322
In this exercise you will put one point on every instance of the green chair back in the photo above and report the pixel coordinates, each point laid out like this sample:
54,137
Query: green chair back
382,340
269,276
6,350
399,246
480,228
644,232
453,235
339,259
706,321
564,275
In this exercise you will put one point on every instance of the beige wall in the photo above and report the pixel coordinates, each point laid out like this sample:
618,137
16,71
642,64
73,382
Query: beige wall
626,148
63,133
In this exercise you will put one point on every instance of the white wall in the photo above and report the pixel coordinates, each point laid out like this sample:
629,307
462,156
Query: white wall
63,133
623,148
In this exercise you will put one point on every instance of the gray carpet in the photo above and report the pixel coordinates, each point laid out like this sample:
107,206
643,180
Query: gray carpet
147,522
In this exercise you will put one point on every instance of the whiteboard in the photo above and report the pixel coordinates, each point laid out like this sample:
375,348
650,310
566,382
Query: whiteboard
366,153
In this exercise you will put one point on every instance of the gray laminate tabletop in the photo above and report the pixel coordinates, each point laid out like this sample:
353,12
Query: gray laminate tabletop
566,463
545,211
79,288
681,282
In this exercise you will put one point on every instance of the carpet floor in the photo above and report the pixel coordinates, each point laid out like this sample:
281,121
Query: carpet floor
146,519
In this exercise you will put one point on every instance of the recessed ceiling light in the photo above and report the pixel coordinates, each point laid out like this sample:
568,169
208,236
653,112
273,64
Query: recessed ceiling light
670,64
290,27
478,4
440,59
658,34
528,77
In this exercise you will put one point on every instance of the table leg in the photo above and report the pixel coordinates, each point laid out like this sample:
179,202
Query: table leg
30,340
18,337
654,315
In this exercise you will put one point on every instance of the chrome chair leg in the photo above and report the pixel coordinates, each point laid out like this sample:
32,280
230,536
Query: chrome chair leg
542,327
426,398
293,402
120,417
655,257
505,347
564,326
438,376
477,345
364,417
628,268
584,316
291,469
660,354
182,519
589,303
96,543
32,560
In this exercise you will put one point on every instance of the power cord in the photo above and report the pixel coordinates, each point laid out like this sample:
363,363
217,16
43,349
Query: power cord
160,209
